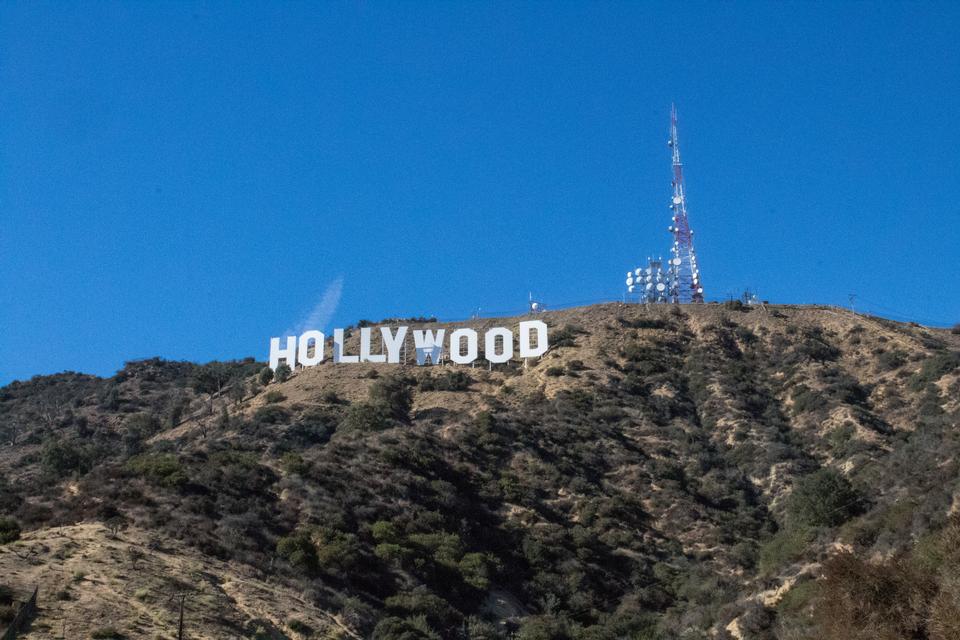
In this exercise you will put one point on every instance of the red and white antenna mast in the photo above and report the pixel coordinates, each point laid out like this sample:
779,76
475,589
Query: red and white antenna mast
685,283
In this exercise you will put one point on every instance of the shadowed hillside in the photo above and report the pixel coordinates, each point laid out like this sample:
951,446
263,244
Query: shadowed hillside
669,472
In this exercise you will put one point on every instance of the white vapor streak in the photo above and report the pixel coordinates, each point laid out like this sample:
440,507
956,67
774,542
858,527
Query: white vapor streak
321,314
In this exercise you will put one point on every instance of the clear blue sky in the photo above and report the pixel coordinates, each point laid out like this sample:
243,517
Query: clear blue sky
188,179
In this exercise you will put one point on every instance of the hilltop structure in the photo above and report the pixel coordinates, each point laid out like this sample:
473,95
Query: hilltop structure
679,281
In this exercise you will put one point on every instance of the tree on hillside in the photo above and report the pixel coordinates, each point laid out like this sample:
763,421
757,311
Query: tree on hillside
395,394
283,372
210,378
266,375
9,530
824,498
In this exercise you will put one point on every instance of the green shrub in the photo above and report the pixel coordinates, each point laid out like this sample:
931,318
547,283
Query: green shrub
320,549
9,530
566,337
890,360
824,498
266,375
107,633
395,394
271,414
413,628
384,531
273,397
476,569
543,627
283,373
798,597
555,372
934,368
293,463
61,457
438,612
786,546
367,417
299,626
163,469
861,600
145,423
298,549
215,377
449,380
314,426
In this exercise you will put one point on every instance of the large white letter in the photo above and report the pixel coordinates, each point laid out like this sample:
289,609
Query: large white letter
456,340
289,354
490,345
393,343
305,338
428,343
338,348
526,351
365,355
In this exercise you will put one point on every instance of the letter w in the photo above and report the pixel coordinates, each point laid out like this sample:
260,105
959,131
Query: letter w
428,343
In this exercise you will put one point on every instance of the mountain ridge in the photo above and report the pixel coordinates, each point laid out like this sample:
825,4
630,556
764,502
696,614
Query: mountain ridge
661,472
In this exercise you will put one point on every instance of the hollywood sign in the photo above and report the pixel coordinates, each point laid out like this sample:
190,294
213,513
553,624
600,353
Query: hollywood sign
309,349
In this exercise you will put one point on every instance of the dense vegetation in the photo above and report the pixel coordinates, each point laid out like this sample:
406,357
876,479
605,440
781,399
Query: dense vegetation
658,475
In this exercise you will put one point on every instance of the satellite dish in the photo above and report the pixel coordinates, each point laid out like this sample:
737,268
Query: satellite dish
677,261
637,272
700,290
630,289
629,281
649,270
649,286
661,287
676,199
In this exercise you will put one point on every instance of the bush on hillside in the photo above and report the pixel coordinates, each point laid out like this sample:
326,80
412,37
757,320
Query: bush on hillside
367,417
412,628
448,380
864,601
824,498
934,368
272,397
9,530
283,372
395,394
162,469
266,376
62,457
271,414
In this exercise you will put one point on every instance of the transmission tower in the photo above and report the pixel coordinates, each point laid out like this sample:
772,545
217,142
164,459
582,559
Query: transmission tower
685,283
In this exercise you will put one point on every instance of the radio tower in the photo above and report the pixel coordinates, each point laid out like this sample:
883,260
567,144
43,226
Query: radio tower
685,284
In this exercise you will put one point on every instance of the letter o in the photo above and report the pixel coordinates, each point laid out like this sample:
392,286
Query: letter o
318,345
490,345
455,342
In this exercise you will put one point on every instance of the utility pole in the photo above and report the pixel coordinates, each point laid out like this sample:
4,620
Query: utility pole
853,298
182,598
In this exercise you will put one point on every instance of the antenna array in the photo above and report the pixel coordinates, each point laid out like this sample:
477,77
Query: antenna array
679,281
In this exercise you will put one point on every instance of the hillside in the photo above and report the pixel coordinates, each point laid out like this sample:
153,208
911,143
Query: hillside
708,471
